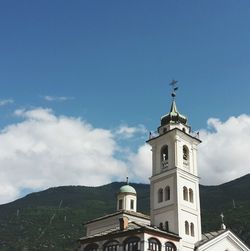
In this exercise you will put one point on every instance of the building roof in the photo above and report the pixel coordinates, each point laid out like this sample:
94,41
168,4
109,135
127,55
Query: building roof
173,116
132,226
209,236
132,213
127,189
110,231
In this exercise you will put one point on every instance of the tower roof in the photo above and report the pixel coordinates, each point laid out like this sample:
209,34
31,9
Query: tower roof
173,116
127,189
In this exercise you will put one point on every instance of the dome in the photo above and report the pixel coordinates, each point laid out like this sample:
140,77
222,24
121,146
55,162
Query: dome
173,116
127,189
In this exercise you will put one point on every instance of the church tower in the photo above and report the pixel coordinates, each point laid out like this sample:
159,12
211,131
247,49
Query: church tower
174,185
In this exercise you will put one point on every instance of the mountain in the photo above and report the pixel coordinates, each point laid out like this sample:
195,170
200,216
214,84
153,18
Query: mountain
52,219
233,200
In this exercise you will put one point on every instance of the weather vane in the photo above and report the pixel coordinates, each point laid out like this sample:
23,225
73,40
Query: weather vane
174,86
127,180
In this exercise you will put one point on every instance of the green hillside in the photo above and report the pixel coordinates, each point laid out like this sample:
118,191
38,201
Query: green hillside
233,200
52,219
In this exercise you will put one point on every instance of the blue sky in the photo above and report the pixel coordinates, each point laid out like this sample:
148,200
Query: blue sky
112,61
127,52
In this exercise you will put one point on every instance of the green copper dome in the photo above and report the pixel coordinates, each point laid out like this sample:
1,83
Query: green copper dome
127,189
173,116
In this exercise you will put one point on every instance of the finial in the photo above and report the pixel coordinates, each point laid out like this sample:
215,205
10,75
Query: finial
174,86
127,180
223,226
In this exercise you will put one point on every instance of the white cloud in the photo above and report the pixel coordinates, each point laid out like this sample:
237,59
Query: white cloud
38,114
7,192
46,150
57,98
4,102
125,131
140,164
224,152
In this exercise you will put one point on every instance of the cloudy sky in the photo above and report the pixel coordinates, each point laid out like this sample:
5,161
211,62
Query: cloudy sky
83,82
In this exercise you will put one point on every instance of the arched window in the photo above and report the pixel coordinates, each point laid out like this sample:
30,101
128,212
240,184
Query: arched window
132,244
185,153
132,204
160,195
185,193
120,204
191,195
161,225
91,247
154,244
186,228
164,153
166,226
169,246
192,229
167,193
164,156
112,245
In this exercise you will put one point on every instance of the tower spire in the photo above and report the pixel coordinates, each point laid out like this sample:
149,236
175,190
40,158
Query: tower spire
173,108
174,116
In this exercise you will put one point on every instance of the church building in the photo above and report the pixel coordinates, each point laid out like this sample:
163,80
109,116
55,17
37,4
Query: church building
174,223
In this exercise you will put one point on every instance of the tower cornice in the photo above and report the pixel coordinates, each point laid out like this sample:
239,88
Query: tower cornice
195,137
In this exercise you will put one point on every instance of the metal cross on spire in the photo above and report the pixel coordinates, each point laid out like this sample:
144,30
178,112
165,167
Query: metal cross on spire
222,217
174,86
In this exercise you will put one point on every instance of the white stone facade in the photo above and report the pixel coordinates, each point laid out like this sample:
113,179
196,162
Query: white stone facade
180,174
129,202
143,243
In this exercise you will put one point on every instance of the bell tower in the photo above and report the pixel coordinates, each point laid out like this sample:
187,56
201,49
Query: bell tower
174,184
